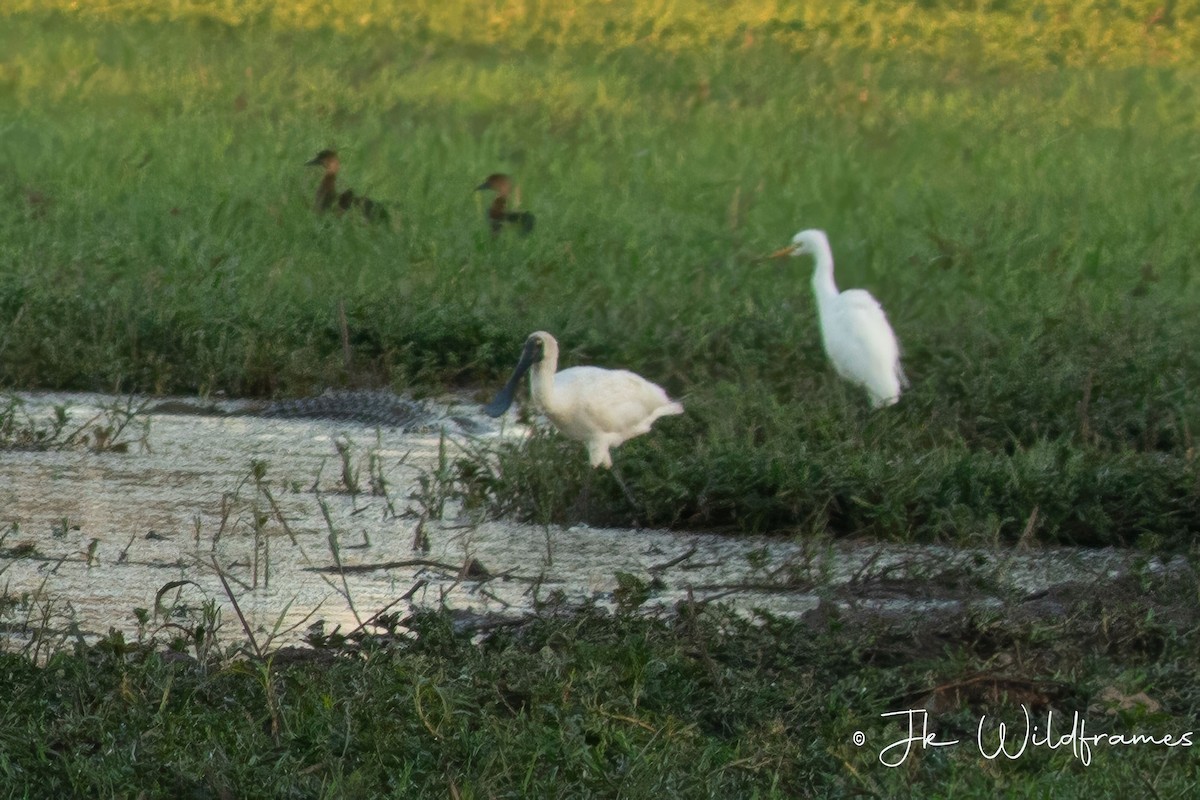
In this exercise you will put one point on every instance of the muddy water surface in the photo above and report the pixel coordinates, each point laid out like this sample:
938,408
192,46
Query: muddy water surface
90,537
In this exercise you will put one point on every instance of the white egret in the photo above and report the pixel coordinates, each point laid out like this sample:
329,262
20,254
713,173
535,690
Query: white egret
600,407
858,339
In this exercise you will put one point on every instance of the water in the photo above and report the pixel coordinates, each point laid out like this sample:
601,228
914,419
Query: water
93,536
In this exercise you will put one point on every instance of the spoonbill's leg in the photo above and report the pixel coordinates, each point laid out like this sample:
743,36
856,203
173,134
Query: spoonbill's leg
583,501
624,488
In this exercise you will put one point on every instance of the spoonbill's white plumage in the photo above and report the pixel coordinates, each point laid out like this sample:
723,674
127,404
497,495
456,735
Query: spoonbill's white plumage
857,337
600,407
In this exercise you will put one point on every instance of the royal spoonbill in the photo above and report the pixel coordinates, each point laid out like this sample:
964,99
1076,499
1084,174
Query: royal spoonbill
858,339
600,407
498,213
327,194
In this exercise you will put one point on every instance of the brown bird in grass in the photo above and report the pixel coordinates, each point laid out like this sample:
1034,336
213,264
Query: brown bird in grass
37,202
327,195
498,213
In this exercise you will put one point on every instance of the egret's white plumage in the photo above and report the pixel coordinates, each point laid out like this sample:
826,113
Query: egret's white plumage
857,337
600,407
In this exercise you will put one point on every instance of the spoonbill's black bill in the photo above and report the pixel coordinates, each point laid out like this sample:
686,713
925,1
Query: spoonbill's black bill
503,399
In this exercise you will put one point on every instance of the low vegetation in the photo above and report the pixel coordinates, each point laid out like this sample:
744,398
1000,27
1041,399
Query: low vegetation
113,428
588,703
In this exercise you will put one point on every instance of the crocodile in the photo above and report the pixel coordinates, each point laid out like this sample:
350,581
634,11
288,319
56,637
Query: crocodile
378,408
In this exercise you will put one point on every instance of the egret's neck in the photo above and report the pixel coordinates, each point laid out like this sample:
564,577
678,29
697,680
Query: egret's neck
822,281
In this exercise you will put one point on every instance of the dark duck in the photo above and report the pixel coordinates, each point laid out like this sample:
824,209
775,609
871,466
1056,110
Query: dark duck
498,213
327,194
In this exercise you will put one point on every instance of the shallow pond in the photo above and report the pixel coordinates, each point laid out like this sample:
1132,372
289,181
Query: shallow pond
89,537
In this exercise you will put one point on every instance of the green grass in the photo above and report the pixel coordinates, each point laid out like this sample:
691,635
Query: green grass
597,705
1015,184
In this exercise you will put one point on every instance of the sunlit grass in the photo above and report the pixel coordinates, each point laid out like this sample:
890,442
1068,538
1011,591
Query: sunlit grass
1040,35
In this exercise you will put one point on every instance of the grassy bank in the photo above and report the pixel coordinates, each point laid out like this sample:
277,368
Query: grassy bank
1016,185
597,705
